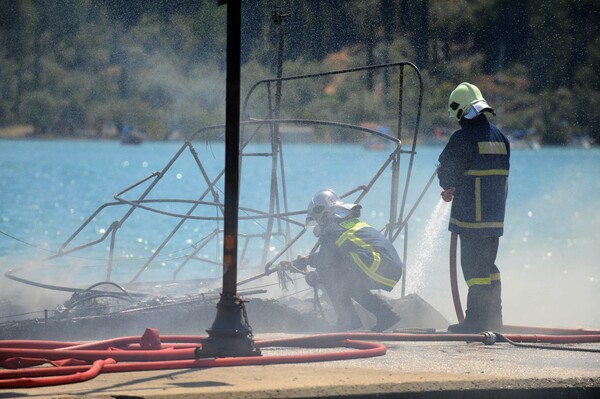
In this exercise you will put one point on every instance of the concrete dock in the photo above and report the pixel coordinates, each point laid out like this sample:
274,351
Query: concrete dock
406,370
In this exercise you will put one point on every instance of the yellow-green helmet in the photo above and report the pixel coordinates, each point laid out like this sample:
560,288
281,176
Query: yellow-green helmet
466,102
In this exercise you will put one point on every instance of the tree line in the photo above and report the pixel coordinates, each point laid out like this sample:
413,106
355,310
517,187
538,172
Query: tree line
82,65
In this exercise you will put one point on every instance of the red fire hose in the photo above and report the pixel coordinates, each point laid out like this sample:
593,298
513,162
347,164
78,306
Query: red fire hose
453,281
131,354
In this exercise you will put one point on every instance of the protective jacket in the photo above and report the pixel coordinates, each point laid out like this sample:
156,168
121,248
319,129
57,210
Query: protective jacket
476,163
353,247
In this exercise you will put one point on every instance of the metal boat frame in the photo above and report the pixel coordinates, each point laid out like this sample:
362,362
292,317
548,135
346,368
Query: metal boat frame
280,220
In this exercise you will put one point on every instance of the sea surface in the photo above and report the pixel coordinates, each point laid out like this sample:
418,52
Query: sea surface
549,255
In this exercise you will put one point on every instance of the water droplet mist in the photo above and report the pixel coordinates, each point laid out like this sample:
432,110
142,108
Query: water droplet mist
428,245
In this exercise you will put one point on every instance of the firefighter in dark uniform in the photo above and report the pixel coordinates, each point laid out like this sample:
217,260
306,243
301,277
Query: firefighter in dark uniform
353,259
473,173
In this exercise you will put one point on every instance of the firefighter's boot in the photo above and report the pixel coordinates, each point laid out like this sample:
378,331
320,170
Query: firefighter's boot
476,315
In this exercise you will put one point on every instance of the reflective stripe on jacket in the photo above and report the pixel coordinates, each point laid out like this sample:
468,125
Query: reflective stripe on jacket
353,243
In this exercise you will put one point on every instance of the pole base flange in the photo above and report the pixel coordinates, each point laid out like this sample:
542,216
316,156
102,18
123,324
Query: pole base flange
230,334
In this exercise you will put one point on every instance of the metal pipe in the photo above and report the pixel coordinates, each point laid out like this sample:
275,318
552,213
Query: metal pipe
232,148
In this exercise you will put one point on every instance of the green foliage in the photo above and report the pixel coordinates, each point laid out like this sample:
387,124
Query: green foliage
76,65
557,107
42,109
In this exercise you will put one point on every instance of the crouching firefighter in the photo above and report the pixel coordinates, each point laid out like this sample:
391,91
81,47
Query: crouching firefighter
352,259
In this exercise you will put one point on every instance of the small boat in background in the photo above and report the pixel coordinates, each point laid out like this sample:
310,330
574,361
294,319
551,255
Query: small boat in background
132,135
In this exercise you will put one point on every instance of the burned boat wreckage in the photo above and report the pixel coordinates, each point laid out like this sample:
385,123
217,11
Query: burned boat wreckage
175,288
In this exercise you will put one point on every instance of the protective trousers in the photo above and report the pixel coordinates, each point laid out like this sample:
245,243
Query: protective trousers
484,303
342,288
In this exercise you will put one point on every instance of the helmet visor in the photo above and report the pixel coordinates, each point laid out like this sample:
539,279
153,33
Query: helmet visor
477,108
345,210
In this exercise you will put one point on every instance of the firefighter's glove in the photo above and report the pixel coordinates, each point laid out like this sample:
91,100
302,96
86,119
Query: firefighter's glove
301,263
448,194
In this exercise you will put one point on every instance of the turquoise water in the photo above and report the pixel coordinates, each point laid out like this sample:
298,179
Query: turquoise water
548,256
